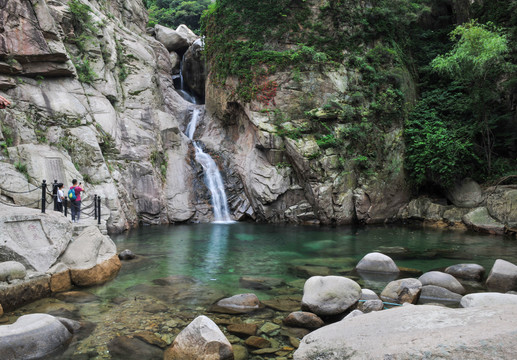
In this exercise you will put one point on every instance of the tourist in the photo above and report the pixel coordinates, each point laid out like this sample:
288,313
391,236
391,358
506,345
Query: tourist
75,201
4,102
60,196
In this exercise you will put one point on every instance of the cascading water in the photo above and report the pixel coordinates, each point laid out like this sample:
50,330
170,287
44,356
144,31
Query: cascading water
179,83
213,177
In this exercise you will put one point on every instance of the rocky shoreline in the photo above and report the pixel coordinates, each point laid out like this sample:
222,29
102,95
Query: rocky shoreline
337,318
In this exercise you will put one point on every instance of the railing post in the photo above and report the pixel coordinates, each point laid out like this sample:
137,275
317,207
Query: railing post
54,194
99,210
65,200
95,206
43,197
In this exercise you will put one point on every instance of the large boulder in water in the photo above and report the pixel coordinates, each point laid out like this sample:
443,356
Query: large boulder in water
35,336
329,295
202,339
402,291
466,271
441,279
416,332
238,304
377,262
502,277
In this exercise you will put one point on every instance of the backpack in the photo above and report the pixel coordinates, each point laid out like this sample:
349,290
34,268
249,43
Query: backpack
71,194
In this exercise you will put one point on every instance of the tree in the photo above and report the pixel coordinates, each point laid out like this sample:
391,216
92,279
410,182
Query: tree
477,60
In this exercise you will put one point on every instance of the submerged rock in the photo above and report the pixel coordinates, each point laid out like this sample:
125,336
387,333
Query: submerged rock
35,336
502,277
242,329
201,339
238,304
444,280
329,295
133,348
304,319
259,283
416,332
377,262
466,271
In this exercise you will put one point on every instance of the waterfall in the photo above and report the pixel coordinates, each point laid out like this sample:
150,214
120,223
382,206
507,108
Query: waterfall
179,83
213,178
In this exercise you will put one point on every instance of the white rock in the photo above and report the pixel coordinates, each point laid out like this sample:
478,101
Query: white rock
377,262
502,277
329,295
487,299
441,279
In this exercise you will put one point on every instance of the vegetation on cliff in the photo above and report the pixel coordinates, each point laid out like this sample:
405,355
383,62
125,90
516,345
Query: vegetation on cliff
173,13
415,66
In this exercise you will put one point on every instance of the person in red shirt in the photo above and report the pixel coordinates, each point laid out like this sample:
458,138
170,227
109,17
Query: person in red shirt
76,204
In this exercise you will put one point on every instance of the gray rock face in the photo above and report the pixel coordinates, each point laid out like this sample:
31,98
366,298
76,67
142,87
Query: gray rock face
241,303
502,205
488,299
441,279
304,320
466,271
402,291
502,277
34,239
34,336
195,69
480,220
202,339
438,294
88,249
171,39
186,32
377,262
416,332
466,193
11,270
329,295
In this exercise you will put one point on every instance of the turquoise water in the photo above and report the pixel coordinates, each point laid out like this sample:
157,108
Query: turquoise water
218,254
205,262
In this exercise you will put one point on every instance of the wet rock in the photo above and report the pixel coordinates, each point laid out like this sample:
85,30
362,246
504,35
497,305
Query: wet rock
171,39
466,194
502,277
257,342
438,294
402,291
243,330
174,280
265,351
308,271
151,339
35,336
260,283
269,328
329,295
12,270
377,262
240,352
303,319
480,220
367,294
99,274
488,299
295,332
155,308
370,305
241,303
60,280
485,334
125,347
283,304
466,271
175,62
195,69
77,297
201,339
23,292
444,280
126,255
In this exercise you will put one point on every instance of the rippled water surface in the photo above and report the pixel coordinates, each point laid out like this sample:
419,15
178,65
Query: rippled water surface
207,261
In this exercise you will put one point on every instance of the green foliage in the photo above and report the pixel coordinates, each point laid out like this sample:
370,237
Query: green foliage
160,160
85,73
173,13
122,59
22,168
81,16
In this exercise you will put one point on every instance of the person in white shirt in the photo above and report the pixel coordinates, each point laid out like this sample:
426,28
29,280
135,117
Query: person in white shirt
60,197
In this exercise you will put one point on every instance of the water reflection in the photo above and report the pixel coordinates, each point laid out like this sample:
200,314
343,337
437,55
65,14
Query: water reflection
216,251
